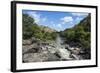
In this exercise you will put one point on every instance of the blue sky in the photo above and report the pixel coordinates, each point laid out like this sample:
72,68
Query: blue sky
56,20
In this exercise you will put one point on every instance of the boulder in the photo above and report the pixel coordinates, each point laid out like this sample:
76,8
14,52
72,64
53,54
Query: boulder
25,48
27,42
35,57
52,57
76,51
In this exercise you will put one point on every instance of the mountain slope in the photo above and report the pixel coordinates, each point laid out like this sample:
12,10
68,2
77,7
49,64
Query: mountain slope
32,29
80,36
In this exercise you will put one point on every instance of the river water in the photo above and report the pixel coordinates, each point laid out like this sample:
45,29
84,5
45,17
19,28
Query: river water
64,53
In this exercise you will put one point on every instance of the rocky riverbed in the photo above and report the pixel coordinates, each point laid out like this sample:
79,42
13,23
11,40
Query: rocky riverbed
38,51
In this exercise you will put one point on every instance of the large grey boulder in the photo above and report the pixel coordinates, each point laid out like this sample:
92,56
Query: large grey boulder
27,48
76,51
27,42
34,57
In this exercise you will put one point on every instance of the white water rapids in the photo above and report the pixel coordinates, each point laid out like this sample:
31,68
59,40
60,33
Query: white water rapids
64,53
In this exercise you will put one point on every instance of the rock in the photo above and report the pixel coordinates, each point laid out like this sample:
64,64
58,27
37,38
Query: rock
44,48
39,57
52,57
25,48
77,57
67,46
82,52
52,49
34,40
33,50
72,48
34,57
76,51
27,42
57,55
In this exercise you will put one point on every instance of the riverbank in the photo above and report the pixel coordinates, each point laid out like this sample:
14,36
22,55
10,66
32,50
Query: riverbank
57,50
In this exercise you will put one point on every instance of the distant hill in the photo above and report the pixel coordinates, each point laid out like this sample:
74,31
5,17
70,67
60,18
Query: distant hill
85,23
47,29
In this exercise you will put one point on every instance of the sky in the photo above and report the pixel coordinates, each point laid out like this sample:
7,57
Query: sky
58,21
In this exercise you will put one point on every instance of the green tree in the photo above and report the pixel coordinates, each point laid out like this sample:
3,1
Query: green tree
27,26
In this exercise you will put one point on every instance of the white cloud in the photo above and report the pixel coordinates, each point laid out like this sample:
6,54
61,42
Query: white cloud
56,25
78,18
66,19
37,17
79,14
44,19
52,24
34,15
59,25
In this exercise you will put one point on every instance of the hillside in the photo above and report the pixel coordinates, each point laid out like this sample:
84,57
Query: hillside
46,29
79,36
32,29
85,23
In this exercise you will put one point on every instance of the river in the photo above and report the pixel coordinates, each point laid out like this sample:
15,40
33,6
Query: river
64,53
51,51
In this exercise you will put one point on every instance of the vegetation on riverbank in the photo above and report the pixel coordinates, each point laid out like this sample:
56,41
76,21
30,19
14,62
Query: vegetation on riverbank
80,35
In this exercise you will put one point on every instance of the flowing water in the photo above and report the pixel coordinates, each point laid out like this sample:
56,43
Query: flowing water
64,53
58,41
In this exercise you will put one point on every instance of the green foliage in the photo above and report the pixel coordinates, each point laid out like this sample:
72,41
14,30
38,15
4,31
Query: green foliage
27,26
70,35
80,35
31,29
27,20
